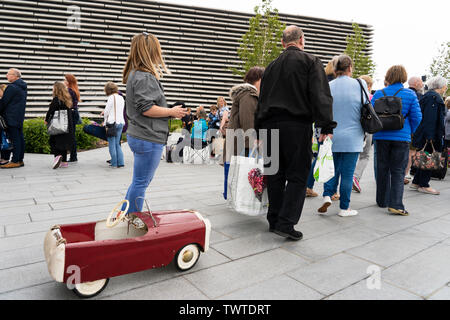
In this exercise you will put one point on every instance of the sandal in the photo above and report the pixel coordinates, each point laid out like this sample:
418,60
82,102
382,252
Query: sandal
429,191
336,197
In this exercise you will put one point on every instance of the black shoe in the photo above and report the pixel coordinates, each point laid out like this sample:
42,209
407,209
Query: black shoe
120,166
108,161
73,160
293,235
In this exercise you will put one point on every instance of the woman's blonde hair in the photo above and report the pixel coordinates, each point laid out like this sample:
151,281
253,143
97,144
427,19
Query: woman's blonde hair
62,93
329,69
368,80
145,55
447,102
224,101
111,88
3,87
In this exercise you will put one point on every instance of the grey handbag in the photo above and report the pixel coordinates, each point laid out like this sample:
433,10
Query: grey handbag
59,123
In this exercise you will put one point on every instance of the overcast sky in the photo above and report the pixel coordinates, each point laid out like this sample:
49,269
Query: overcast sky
406,32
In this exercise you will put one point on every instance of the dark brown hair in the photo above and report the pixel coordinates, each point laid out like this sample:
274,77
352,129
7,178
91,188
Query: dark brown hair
254,74
396,74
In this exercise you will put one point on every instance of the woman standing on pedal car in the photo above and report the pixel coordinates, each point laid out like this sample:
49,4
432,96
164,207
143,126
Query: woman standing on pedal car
431,129
147,112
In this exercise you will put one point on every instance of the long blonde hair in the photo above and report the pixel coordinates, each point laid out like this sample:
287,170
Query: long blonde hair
145,55
62,93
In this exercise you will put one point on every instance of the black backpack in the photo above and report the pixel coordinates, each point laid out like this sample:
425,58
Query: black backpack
389,110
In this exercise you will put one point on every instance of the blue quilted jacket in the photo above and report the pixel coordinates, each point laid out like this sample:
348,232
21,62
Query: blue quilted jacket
411,111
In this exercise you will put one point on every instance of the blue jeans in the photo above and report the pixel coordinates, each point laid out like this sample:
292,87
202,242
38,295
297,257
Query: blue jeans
226,170
344,167
392,160
114,147
147,156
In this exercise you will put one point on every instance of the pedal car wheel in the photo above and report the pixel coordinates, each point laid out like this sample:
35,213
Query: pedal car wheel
90,289
187,257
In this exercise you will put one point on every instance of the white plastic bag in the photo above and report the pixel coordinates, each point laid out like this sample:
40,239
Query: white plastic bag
324,168
242,197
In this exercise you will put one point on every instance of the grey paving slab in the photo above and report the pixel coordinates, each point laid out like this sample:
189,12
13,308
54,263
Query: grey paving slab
397,247
379,219
333,243
38,197
5,212
20,257
24,276
423,273
47,291
247,246
244,228
442,294
438,226
333,274
278,288
361,291
17,203
20,242
217,237
73,212
324,224
244,272
34,227
173,289
15,219
82,196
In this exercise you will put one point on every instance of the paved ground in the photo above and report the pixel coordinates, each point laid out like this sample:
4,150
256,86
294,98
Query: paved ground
334,261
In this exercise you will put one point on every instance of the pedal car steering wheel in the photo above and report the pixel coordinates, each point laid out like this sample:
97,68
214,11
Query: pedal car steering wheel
120,216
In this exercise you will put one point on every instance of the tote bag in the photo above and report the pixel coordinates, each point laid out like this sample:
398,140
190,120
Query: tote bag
324,168
247,191
59,124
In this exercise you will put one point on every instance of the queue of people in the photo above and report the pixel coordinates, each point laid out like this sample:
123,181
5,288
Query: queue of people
287,97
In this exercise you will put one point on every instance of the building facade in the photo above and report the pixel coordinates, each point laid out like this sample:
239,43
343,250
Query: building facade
46,39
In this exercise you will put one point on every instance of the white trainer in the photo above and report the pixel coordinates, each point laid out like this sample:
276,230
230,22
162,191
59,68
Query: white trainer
326,204
348,213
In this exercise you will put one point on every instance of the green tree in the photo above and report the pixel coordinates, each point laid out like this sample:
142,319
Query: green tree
441,63
356,46
262,42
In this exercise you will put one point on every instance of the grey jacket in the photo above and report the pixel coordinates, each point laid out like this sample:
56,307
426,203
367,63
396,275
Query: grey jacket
143,92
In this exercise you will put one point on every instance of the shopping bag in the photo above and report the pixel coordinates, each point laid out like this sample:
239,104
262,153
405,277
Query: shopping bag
247,191
59,124
324,168
6,145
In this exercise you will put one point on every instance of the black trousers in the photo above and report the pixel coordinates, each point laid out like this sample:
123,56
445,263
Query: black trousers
287,188
392,160
76,119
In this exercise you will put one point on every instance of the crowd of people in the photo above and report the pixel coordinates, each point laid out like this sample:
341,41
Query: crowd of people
293,96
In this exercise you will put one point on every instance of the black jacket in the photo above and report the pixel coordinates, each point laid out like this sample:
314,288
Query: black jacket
64,141
432,126
295,87
13,103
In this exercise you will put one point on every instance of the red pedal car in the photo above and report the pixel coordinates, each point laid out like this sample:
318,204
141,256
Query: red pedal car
86,255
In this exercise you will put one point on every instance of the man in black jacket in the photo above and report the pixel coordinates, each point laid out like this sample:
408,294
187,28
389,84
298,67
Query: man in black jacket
294,94
12,108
